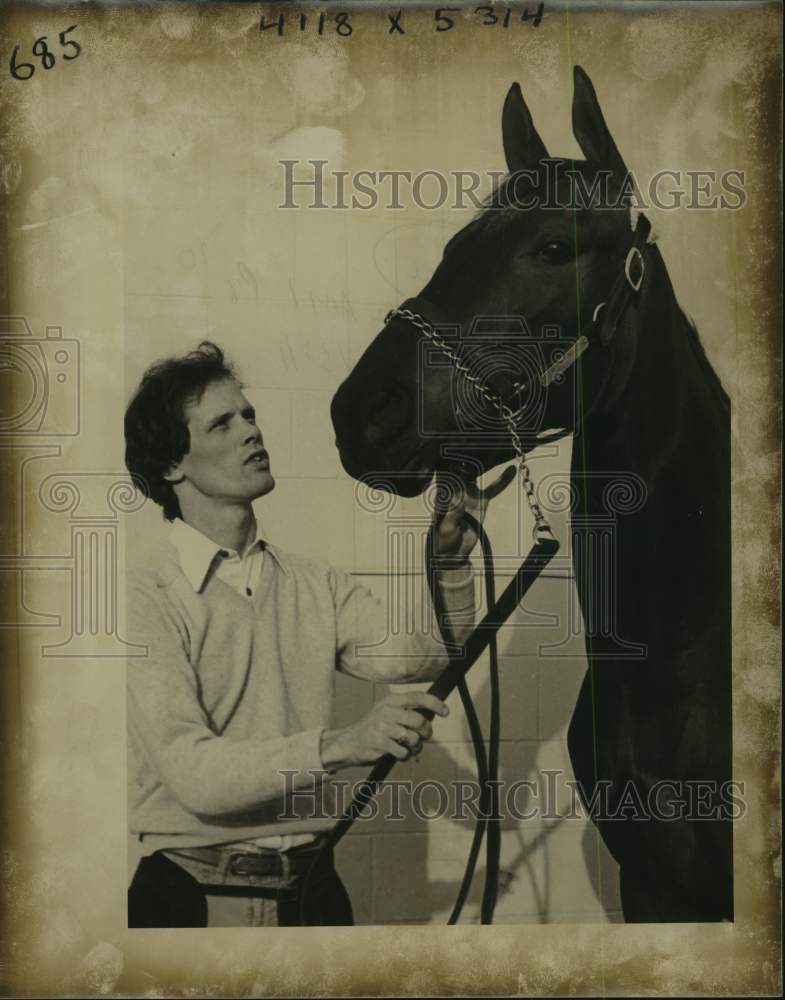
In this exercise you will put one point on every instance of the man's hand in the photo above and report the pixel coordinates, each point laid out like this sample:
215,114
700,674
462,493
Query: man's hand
455,539
392,726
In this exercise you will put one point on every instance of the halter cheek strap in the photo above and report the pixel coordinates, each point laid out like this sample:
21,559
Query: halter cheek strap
627,284
608,314
602,329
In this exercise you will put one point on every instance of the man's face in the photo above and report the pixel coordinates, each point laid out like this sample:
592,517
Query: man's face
226,460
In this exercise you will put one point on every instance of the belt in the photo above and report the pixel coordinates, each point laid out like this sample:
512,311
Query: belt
284,864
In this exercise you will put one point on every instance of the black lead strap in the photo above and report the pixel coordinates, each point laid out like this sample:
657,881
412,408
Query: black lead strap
460,662
487,765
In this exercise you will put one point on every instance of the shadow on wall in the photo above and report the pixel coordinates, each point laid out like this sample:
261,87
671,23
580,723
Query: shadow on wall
417,874
554,868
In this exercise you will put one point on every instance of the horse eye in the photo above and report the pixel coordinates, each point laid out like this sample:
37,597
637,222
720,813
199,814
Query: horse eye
556,252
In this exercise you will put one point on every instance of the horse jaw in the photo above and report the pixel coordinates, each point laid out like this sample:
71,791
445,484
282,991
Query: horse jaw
411,477
403,478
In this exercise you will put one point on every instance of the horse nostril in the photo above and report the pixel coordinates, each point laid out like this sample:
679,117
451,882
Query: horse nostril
387,414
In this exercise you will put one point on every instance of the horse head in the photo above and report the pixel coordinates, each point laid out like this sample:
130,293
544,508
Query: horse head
516,288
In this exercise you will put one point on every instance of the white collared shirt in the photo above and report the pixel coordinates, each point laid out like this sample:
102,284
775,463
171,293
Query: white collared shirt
200,557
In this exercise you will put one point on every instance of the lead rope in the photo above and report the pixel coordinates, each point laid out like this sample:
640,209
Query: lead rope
488,818
543,550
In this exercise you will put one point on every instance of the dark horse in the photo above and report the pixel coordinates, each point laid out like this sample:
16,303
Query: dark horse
650,736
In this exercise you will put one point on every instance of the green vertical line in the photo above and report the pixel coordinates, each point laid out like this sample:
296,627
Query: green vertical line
589,578
588,583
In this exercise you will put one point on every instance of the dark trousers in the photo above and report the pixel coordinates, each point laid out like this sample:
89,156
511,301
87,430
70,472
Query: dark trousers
163,894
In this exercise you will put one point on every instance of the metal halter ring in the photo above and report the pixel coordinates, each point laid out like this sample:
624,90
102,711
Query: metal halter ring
631,254
543,530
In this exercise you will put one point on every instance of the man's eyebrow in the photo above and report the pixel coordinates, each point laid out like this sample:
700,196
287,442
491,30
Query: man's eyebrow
219,420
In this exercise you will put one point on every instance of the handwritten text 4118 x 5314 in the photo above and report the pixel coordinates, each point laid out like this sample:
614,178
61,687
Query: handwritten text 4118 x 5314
394,22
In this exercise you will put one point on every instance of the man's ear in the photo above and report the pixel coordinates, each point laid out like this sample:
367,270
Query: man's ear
523,147
174,475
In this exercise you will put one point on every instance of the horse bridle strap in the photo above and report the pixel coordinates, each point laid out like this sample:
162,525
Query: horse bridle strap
608,314
603,326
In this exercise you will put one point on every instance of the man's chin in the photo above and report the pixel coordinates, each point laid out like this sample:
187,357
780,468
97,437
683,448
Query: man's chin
266,487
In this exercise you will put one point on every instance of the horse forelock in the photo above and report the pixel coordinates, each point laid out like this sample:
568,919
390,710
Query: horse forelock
564,171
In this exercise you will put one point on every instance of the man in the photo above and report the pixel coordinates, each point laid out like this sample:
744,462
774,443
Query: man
237,686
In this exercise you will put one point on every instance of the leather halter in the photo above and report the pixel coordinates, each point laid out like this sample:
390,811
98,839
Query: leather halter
603,327
608,314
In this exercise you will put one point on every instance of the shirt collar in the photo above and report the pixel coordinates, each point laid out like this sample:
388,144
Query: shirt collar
197,552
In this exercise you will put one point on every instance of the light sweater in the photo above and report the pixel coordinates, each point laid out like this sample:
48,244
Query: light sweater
236,689
200,556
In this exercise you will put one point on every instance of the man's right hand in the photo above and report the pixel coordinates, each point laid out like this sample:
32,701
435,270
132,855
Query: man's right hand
391,727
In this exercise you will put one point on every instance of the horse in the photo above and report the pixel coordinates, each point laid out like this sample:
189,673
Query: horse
558,246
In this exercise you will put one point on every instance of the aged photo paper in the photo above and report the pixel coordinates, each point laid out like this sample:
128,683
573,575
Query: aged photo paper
275,178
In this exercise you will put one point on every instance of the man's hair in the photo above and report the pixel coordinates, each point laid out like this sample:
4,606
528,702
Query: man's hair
156,434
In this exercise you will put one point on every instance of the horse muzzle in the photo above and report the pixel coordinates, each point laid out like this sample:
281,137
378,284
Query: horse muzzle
390,414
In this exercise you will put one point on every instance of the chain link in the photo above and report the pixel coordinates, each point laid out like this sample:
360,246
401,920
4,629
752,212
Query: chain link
508,415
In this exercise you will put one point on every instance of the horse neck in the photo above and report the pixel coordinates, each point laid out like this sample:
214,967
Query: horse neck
673,410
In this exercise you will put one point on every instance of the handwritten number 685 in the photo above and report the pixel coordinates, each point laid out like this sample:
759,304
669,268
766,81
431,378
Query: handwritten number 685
24,70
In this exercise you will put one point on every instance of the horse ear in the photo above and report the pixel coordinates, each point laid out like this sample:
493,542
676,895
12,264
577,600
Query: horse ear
523,148
589,128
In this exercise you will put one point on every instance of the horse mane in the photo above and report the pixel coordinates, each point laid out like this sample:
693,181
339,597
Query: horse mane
699,353
694,341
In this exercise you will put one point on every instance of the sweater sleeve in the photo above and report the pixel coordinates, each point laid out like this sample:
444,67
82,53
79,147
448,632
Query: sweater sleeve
376,644
209,774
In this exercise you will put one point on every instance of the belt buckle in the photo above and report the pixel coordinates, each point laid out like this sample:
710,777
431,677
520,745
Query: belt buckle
254,864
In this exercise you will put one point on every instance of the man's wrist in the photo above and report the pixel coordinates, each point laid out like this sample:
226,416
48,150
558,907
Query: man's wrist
456,577
331,749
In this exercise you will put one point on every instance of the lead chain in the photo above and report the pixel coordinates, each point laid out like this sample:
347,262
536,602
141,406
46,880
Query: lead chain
541,525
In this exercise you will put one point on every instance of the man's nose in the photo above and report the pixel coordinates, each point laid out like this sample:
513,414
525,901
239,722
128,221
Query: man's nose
253,435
